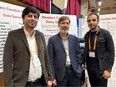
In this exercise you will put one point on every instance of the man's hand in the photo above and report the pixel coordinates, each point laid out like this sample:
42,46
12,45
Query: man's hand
83,67
49,83
52,83
106,74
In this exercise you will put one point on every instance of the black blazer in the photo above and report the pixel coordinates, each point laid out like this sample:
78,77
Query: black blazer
105,49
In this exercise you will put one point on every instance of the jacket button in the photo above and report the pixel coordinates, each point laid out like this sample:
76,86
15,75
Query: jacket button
28,59
27,70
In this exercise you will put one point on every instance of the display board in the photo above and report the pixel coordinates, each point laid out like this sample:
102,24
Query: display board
10,19
83,28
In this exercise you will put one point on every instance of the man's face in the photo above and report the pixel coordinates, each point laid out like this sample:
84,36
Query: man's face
92,22
64,26
30,20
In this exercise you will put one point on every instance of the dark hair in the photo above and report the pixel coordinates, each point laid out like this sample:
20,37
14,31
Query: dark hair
93,14
62,18
30,9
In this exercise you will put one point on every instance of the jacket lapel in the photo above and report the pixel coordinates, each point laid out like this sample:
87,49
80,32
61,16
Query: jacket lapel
60,41
24,38
70,43
38,41
40,45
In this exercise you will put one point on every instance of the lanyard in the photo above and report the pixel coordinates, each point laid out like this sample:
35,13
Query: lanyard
95,39
36,48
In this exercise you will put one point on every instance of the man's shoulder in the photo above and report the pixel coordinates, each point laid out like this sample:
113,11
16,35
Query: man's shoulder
72,35
87,33
38,32
15,30
54,36
102,30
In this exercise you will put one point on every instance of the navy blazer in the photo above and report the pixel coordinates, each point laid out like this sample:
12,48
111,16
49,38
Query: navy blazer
58,56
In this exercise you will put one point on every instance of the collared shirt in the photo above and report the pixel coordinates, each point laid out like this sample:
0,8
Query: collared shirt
35,70
66,47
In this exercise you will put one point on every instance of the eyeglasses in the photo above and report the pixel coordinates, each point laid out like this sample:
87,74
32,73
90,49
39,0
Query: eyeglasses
91,20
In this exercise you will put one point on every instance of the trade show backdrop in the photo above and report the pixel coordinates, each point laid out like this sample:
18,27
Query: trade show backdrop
10,19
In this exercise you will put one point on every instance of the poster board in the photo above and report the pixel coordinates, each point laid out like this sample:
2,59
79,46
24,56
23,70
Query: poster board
10,19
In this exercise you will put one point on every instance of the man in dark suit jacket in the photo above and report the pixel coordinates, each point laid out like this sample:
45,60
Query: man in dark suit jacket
25,58
65,54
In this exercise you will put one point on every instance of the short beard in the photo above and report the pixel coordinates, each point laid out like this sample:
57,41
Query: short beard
64,31
94,28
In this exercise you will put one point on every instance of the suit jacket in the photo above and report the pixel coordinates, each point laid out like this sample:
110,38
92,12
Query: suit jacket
16,58
58,56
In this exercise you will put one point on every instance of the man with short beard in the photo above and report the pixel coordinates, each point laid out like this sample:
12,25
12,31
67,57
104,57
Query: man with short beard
25,59
99,52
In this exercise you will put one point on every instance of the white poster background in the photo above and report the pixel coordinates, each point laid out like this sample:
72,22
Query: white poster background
10,19
49,24
83,27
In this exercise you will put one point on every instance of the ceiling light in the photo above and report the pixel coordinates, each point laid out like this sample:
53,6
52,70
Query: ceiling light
99,9
99,3
97,13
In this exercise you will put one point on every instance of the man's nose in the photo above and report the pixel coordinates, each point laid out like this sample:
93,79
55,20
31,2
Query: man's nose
33,17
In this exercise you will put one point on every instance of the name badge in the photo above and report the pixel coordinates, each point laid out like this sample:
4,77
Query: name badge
92,54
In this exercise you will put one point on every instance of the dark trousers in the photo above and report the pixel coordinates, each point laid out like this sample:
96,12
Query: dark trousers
70,79
96,79
82,77
38,83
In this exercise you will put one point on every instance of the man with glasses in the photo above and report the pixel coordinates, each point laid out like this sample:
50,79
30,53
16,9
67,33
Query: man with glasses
65,54
99,52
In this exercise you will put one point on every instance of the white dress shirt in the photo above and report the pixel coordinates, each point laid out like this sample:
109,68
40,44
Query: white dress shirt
35,71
